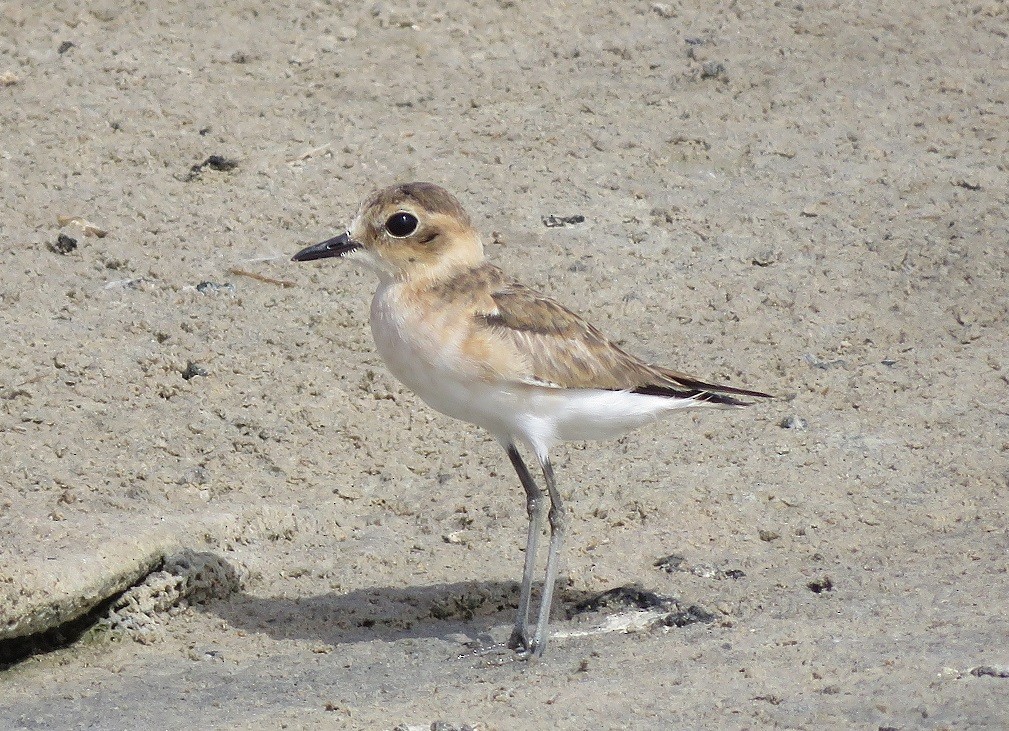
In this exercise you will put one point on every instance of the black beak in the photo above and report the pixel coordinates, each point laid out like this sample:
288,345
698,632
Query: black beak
336,246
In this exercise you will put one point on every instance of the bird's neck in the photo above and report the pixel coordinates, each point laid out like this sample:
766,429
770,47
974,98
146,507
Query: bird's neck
465,254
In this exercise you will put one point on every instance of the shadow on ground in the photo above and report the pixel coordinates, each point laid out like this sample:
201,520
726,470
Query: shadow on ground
210,583
378,613
396,613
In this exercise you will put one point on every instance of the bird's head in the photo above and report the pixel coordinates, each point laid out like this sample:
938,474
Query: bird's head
407,231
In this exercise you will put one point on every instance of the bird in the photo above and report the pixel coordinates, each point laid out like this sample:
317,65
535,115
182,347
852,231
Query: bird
475,344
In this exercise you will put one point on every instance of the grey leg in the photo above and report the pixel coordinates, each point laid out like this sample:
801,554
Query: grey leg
519,639
557,519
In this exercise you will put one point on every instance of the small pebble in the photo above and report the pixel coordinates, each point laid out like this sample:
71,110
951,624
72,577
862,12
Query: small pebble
818,586
192,370
214,287
712,70
663,10
991,671
794,422
553,221
64,244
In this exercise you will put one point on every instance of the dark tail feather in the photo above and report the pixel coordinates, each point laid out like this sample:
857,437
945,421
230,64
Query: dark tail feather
700,391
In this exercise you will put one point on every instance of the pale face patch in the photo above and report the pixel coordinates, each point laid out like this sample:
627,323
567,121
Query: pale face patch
416,230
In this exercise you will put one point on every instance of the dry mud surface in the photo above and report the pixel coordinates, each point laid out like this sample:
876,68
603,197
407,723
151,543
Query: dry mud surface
805,198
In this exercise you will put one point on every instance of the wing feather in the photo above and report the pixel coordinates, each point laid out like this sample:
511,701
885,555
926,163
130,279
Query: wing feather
562,350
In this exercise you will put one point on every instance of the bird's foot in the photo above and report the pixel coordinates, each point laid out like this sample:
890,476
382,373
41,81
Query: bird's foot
520,641
497,654
525,646
519,647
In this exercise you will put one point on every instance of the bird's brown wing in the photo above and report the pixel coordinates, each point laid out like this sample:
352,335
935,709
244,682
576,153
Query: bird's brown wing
561,349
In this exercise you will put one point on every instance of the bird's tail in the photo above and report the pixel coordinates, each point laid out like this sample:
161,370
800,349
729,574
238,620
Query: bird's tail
682,386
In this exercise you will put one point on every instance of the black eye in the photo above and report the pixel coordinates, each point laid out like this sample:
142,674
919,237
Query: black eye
401,224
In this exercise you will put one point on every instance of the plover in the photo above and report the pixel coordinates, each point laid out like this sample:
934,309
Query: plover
476,345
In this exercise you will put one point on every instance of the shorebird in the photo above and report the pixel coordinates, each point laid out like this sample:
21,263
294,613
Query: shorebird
476,345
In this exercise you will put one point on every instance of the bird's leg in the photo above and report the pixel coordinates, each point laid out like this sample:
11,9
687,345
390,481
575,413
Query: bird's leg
556,517
519,639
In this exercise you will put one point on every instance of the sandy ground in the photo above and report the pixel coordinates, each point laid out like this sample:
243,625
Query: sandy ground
805,198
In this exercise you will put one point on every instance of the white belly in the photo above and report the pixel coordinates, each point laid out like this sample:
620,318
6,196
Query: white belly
422,353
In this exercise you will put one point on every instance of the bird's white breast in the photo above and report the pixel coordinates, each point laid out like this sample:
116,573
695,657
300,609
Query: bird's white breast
423,349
